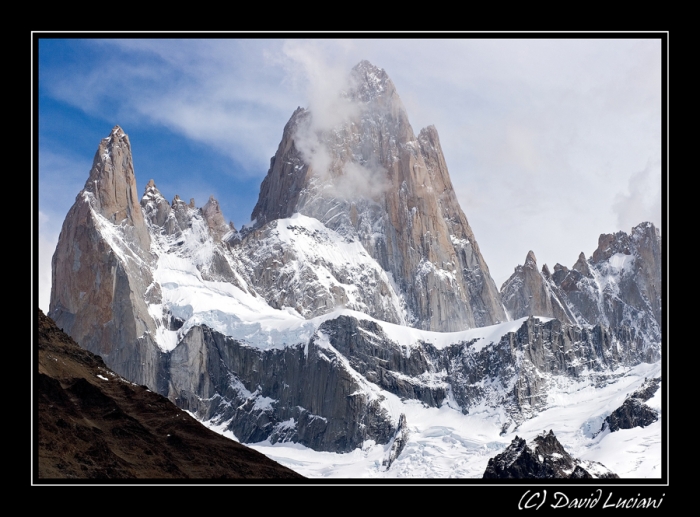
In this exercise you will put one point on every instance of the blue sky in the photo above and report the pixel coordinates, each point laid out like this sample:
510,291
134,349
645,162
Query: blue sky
549,142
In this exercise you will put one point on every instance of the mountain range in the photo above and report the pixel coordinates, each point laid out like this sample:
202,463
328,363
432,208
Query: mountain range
356,310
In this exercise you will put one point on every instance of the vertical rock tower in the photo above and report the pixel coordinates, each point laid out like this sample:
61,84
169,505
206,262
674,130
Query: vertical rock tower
101,269
371,178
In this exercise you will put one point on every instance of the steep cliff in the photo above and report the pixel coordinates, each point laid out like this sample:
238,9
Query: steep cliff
102,281
371,180
619,285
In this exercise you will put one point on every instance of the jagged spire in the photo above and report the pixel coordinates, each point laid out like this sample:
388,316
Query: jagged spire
545,271
375,159
531,260
99,281
214,218
582,265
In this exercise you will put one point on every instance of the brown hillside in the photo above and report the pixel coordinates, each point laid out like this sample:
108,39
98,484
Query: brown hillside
93,424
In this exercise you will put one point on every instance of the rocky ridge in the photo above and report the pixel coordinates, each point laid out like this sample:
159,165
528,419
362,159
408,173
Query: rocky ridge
542,458
619,285
283,331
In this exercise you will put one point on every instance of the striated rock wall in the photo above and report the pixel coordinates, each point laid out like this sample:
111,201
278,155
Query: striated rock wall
101,269
619,286
303,393
320,393
371,179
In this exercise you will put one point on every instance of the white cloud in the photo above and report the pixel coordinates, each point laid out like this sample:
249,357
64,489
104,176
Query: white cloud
48,238
543,138
642,202
326,84
222,93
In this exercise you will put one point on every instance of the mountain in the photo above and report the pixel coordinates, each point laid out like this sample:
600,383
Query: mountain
355,304
102,279
619,285
542,458
94,424
370,179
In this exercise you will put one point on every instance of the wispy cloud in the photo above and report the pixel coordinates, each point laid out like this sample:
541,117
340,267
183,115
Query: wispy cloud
642,201
544,139
222,93
48,238
327,87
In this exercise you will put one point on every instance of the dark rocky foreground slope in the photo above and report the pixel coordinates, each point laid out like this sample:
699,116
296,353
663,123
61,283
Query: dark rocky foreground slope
94,424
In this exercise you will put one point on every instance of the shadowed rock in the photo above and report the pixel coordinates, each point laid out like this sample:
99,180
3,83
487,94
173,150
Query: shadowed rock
542,458
94,424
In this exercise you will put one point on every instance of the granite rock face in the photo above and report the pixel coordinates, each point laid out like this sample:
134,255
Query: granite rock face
101,269
304,393
618,286
372,180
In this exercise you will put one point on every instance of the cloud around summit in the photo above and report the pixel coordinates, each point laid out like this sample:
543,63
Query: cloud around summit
549,142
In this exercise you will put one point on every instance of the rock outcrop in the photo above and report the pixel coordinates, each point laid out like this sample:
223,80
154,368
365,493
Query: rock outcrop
101,270
542,458
370,179
634,412
620,285
399,442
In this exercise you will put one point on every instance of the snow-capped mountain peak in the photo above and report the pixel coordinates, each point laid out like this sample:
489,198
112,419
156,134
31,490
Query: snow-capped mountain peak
357,303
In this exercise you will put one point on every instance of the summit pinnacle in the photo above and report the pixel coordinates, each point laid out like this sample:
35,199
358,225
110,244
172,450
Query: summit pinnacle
372,180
